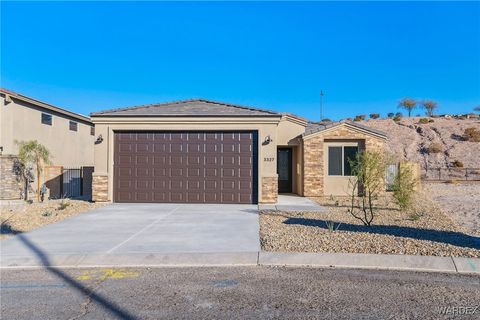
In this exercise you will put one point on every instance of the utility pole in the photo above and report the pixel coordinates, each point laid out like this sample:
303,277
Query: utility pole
321,105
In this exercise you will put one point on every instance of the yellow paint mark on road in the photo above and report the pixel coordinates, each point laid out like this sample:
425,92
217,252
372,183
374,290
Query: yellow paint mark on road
108,273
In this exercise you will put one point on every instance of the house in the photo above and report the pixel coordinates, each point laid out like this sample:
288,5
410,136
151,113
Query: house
200,151
67,135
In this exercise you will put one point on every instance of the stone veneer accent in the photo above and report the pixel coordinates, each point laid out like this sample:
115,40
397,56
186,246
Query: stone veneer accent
100,188
269,190
313,177
11,184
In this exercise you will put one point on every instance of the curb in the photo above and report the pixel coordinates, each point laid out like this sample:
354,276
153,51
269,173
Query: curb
255,258
135,260
371,261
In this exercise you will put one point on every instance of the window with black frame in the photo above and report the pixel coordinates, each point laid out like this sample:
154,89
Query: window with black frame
46,119
340,160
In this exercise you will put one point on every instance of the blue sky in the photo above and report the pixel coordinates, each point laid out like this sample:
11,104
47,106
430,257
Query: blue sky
88,56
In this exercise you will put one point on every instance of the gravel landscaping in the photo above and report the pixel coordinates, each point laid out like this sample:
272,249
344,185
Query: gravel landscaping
430,232
23,217
459,200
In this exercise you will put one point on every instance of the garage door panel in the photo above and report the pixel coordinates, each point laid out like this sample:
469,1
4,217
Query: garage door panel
194,167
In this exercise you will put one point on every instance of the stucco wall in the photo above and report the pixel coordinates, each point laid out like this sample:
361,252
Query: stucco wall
314,163
267,155
22,121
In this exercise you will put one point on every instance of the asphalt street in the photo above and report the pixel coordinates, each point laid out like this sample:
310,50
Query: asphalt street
236,293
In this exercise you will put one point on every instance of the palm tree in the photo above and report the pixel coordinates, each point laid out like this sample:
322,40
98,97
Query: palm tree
31,153
408,104
429,106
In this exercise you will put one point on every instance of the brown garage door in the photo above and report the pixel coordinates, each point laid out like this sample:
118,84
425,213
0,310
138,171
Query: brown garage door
193,167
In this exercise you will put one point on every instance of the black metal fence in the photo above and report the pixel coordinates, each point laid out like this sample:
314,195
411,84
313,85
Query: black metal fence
69,182
444,174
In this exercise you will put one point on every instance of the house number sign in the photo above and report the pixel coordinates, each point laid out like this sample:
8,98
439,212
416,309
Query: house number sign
271,159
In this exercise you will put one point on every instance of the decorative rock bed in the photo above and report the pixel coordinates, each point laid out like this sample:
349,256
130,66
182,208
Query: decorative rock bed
430,232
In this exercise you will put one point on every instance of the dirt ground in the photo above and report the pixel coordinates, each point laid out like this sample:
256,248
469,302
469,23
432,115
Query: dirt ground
23,217
429,231
459,200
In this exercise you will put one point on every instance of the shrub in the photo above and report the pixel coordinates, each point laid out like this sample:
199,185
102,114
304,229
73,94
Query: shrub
390,115
359,117
435,148
425,120
367,183
457,164
397,118
374,115
46,213
404,188
63,205
471,134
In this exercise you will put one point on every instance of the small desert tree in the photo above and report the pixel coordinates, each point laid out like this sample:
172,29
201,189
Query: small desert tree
32,154
429,107
408,104
477,108
367,184
404,187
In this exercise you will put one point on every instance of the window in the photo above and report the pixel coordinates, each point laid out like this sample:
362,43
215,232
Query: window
92,131
73,126
47,119
339,159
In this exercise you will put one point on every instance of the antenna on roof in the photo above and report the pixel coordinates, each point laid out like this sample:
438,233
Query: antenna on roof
321,105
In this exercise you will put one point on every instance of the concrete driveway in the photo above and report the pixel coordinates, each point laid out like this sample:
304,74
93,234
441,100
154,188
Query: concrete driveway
138,230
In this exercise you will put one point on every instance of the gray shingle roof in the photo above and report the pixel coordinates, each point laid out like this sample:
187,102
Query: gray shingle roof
194,107
317,127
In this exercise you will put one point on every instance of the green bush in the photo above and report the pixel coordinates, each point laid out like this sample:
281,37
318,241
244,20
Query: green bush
374,115
404,188
63,205
46,213
367,184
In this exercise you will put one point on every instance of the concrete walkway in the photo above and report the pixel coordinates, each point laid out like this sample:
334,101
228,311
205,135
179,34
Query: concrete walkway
292,202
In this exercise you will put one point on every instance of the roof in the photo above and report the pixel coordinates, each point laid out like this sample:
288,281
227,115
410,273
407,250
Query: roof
187,108
314,127
45,105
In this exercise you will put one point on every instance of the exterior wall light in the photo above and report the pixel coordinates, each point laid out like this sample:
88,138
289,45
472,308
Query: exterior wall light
268,139
99,139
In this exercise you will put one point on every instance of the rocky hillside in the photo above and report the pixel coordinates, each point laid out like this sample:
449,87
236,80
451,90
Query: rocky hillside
410,140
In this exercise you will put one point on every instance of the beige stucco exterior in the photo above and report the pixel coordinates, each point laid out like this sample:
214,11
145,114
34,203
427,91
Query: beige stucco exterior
265,126
20,120
308,163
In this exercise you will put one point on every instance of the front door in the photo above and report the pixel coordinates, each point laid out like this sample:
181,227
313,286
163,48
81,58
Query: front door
284,170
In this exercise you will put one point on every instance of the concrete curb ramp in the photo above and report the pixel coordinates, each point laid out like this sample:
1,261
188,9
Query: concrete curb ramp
262,258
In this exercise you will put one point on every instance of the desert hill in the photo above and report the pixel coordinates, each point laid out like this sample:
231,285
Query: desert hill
410,140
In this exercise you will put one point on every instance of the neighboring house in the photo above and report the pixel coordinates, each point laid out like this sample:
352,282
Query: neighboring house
201,151
67,135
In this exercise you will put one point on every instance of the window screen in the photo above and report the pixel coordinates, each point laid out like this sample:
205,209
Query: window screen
334,161
73,126
47,119
349,155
